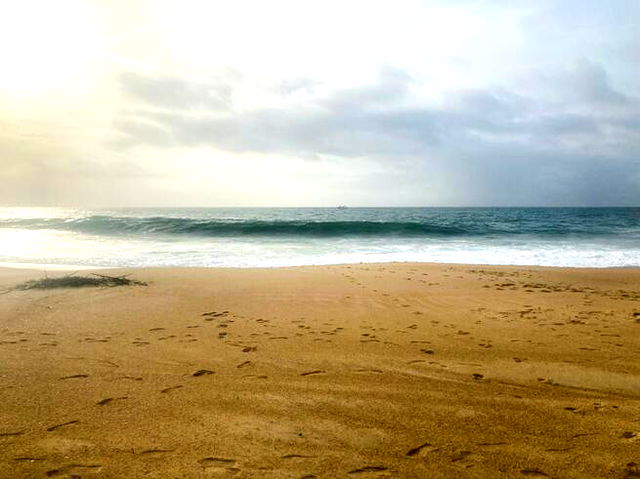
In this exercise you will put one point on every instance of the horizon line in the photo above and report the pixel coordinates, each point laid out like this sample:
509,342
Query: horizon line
325,207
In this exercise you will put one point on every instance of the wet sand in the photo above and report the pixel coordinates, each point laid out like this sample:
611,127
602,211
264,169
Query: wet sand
383,370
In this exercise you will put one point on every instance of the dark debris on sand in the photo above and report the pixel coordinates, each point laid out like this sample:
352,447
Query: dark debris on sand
73,281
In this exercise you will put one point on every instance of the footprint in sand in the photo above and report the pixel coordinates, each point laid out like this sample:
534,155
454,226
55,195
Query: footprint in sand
211,315
219,465
106,401
584,434
366,469
547,381
561,449
170,388
421,450
74,470
533,472
315,371
574,410
632,470
132,378
460,455
296,456
58,426
415,361
75,376
203,372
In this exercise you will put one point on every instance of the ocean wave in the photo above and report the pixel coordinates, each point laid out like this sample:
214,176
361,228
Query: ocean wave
436,227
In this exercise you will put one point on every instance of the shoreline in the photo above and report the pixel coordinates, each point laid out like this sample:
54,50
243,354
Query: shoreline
70,267
50,266
397,369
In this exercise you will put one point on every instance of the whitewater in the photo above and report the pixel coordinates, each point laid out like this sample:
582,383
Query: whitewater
269,237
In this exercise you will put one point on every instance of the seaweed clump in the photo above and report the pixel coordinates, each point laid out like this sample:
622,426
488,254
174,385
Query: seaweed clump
74,281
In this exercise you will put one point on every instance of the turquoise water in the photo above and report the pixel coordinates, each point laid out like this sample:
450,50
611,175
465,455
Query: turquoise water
297,236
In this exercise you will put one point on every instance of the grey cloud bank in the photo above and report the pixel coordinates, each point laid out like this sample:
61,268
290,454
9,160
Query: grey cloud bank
566,141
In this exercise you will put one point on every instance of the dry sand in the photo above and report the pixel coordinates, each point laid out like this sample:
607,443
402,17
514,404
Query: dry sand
394,370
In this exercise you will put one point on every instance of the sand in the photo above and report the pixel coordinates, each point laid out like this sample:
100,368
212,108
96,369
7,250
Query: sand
385,370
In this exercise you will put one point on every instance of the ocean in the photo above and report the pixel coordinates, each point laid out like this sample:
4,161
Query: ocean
268,237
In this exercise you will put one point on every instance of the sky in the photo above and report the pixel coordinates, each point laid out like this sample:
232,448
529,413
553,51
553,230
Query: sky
319,103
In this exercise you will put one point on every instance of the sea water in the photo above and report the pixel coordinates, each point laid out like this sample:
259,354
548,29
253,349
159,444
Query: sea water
265,237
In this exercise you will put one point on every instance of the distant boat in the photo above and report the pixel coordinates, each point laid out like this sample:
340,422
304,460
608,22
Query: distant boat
342,207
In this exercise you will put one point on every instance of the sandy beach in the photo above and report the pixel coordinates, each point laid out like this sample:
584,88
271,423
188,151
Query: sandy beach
367,370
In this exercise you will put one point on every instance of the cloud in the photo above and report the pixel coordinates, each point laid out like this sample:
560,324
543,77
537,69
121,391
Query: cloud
564,141
591,83
173,92
383,119
480,102
291,86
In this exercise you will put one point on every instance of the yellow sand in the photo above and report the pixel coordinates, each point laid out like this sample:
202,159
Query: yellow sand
394,370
